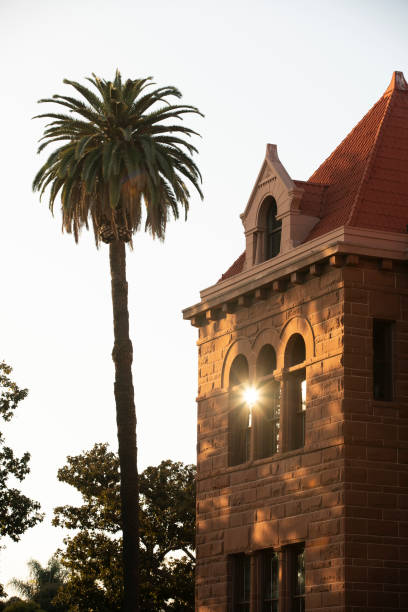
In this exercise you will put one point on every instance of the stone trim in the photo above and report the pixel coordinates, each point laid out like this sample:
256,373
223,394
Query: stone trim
345,240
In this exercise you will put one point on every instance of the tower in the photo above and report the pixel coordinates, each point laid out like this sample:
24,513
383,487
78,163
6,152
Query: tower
302,491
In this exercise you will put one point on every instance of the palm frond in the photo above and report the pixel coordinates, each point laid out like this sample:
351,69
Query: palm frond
124,147
174,140
81,110
89,96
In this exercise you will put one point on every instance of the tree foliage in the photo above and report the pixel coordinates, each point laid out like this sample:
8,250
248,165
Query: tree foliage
92,557
17,511
22,606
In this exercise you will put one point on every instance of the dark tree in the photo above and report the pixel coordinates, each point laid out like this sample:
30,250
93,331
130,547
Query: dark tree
17,511
92,557
16,605
121,150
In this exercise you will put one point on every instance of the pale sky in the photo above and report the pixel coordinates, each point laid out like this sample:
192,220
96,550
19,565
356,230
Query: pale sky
295,73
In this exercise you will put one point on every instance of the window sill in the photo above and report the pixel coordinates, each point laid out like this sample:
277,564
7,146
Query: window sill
271,459
386,403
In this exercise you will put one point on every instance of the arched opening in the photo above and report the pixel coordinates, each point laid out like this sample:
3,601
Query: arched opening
273,229
295,351
266,361
240,417
239,371
267,413
295,392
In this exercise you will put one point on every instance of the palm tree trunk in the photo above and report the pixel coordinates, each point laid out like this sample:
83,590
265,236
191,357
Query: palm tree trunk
122,356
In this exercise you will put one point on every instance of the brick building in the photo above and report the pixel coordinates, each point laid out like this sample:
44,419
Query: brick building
302,499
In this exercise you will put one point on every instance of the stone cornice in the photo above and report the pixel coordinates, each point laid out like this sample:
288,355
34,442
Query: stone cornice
347,240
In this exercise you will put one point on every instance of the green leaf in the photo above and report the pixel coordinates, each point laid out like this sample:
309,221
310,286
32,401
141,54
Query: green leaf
82,145
108,147
114,191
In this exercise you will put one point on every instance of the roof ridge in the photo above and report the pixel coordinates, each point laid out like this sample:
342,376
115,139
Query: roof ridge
370,160
397,82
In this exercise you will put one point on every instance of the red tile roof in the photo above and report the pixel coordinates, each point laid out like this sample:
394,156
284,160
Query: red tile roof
366,175
364,182
313,196
236,267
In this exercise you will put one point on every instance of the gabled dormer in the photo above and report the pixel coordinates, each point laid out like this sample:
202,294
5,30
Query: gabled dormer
355,203
273,220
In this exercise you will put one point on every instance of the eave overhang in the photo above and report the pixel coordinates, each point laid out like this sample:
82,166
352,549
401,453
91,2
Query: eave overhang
343,240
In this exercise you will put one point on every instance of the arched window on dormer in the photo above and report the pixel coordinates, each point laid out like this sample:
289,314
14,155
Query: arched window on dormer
240,418
267,413
273,229
295,393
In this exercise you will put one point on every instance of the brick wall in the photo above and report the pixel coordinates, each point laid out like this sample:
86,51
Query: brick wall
345,493
290,497
376,459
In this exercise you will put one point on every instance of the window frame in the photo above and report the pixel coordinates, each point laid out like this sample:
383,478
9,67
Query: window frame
268,427
265,602
273,230
297,600
241,572
267,414
294,401
240,434
259,589
295,414
383,366
239,417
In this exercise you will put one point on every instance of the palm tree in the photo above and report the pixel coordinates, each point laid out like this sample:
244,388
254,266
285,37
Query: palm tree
43,584
121,150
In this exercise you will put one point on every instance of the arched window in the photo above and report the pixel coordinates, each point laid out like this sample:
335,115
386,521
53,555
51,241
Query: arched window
295,351
273,229
295,393
266,362
267,413
239,371
240,418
